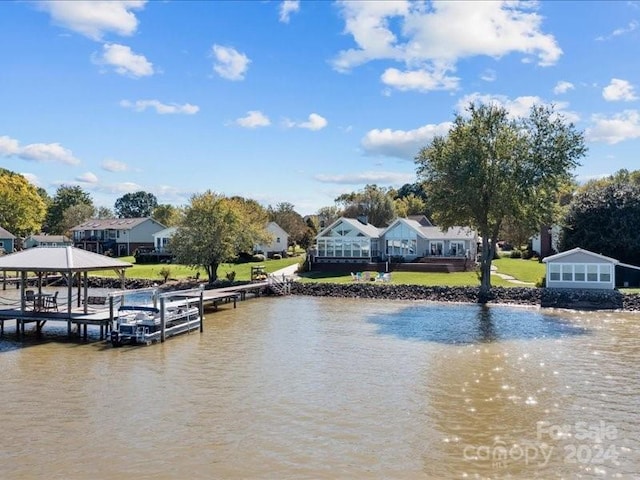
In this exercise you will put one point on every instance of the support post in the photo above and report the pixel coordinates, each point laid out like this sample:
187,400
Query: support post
85,281
163,323
201,310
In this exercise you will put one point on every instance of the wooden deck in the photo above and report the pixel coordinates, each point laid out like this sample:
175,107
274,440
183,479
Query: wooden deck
101,317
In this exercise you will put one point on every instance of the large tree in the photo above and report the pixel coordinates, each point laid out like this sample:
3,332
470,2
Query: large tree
66,196
373,202
490,167
135,205
168,215
291,221
215,229
75,215
22,208
603,217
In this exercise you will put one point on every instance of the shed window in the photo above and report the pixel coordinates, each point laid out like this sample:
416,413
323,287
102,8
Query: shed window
579,273
592,273
605,273
567,273
554,272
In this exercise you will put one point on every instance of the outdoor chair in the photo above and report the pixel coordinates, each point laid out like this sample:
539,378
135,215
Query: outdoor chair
30,297
51,303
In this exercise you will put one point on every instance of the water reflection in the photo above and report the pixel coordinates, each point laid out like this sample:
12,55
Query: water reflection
469,324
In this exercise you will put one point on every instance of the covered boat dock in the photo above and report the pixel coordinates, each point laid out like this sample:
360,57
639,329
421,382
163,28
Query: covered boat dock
38,306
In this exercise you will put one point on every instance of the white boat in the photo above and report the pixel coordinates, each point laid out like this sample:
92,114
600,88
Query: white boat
139,324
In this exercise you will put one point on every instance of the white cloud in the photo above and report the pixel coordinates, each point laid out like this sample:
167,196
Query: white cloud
402,143
124,60
161,108
489,75
614,129
314,122
518,107
563,87
37,152
32,178
379,178
633,24
435,38
230,63
421,80
87,177
114,166
95,18
287,8
253,119
124,187
619,90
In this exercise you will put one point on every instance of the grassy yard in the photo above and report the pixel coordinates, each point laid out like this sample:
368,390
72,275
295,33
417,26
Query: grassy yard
524,270
457,279
151,271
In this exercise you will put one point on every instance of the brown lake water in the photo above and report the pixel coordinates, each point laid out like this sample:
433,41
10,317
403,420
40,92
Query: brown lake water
321,388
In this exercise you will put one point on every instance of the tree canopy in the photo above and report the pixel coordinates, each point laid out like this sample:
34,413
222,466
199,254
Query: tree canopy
135,205
491,167
168,215
289,220
374,202
215,229
66,196
22,208
604,216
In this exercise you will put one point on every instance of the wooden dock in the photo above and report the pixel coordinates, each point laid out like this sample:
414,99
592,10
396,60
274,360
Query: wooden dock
104,318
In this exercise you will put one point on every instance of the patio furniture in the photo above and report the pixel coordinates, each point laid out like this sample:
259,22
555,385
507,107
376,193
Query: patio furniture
50,302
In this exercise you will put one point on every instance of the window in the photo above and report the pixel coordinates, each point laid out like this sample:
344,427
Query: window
456,249
278,240
436,248
579,273
554,272
592,273
567,273
605,273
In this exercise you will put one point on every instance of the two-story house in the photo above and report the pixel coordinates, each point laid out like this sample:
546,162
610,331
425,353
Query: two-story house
120,236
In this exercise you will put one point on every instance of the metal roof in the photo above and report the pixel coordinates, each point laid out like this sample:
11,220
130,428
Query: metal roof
6,233
558,256
59,259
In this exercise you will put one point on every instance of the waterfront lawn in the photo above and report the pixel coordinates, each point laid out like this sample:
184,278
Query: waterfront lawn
456,279
151,271
524,270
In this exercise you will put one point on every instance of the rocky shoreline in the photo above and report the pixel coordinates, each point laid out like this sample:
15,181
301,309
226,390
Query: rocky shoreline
553,298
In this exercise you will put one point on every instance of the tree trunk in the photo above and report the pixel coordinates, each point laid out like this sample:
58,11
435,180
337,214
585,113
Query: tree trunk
212,271
488,250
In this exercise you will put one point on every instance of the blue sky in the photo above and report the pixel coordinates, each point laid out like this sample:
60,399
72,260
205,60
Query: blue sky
295,101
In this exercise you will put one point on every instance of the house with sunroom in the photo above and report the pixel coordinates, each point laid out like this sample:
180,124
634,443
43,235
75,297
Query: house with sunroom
408,243
579,268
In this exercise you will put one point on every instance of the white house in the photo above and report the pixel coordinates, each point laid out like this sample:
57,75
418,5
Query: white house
578,268
279,242
349,239
161,238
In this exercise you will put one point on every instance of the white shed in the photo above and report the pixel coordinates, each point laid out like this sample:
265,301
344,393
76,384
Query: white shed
579,268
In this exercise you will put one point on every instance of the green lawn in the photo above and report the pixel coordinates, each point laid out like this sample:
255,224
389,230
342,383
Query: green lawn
456,279
524,270
151,271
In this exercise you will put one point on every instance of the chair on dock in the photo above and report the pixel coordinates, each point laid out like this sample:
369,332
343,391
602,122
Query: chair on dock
51,303
30,297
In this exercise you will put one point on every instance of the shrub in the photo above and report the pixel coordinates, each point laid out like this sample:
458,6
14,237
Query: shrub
542,283
165,272
527,254
231,276
516,254
258,257
277,256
